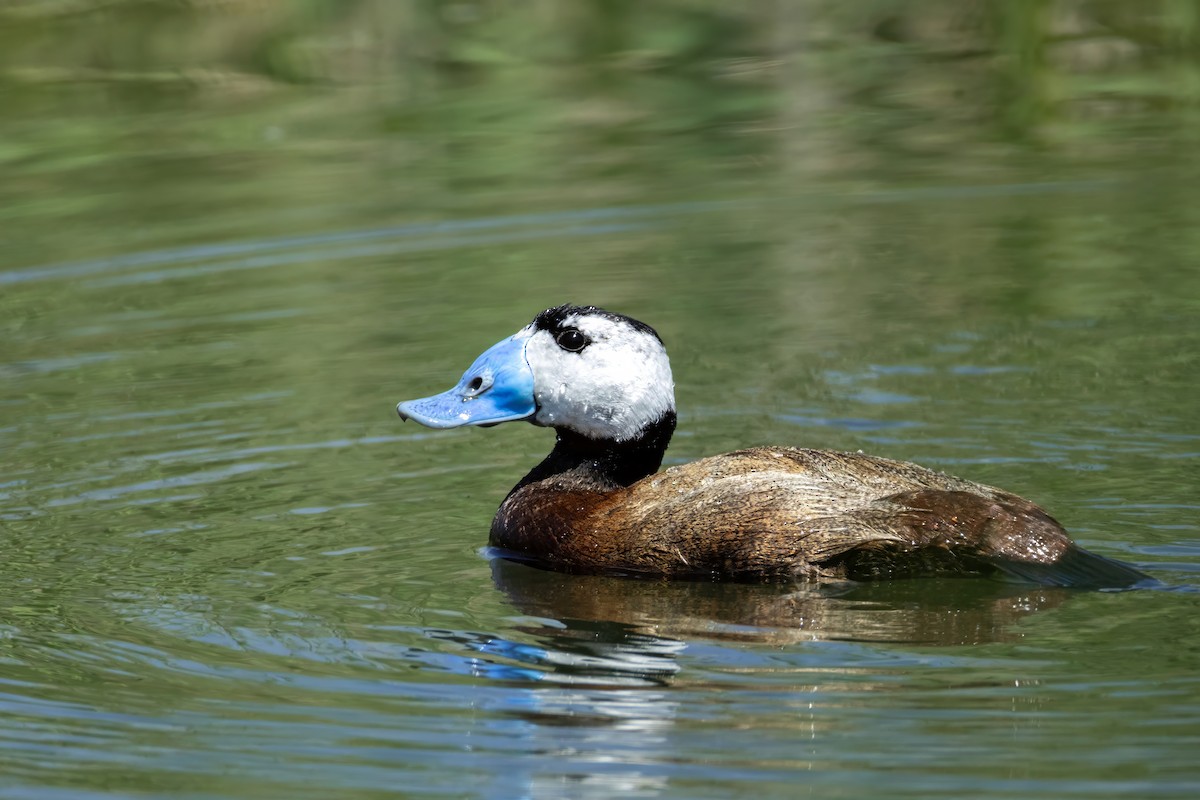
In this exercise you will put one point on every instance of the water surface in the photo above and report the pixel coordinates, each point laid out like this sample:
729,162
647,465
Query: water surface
231,571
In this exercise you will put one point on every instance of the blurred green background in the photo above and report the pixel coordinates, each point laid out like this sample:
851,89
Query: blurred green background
327,111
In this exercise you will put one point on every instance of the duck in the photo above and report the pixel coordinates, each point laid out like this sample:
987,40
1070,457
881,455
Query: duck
599,504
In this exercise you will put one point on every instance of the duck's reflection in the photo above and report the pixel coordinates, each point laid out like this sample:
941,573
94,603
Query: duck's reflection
602,656
946,612
583,651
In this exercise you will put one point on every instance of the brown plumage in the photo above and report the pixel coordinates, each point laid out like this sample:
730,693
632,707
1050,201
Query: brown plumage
773,513
597,503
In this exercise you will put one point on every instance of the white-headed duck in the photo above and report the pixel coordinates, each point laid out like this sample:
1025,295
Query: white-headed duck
597,503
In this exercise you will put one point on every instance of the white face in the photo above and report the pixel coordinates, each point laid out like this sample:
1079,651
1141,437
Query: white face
619,383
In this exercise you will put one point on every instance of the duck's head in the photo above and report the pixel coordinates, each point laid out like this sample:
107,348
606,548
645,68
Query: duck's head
583,369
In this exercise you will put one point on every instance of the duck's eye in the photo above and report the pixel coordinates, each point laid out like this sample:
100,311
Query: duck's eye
571,339
477,386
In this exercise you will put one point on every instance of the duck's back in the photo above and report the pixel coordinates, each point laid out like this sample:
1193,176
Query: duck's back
768,513
806,483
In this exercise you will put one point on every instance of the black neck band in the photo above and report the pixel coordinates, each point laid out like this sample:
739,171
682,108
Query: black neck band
610,464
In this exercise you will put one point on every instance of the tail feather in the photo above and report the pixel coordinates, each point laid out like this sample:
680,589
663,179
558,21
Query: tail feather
1076,567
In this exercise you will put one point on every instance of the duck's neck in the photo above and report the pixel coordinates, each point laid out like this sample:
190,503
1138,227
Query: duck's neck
605,463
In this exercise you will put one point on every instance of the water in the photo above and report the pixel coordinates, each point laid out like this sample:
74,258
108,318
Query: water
231,571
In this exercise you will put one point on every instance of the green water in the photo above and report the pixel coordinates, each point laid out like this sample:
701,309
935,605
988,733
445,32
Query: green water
236,234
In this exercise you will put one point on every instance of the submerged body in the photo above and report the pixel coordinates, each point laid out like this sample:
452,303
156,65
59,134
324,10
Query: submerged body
598,504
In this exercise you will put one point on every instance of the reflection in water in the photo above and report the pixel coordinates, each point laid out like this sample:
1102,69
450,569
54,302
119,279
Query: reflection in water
947,612
605,712
582,650
611,741
606,657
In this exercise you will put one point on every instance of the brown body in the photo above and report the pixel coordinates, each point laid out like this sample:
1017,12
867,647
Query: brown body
597,503
787,513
